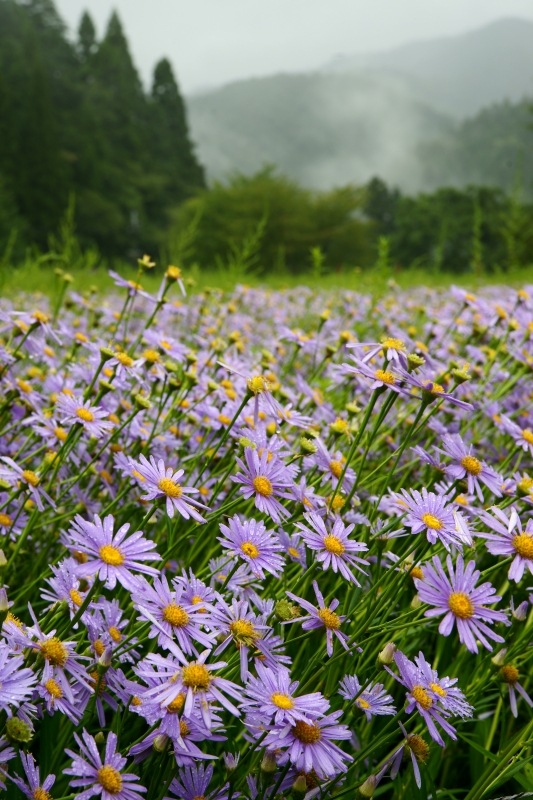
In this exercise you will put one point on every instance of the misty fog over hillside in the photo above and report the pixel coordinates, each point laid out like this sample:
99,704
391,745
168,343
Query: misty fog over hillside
398,114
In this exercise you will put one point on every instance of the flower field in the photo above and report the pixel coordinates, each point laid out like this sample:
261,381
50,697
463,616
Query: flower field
266,544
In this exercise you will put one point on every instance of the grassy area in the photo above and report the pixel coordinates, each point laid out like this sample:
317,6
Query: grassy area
41,280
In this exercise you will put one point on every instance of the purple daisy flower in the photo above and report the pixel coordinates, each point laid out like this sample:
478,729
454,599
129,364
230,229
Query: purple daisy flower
254,544
16,681
333,548
321,617
509,539
523,437
111,555
265,480
33,789
373,700
172,617
310,746
272,694
458,598
431,390
509,675
101,777
381,378
450,697
420,696
467,465
193,681
413,745
247,630
94,420
162,482
433,514
193,782
6,754
29,479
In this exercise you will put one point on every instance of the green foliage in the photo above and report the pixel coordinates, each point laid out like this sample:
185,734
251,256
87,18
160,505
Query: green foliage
74,119
295,221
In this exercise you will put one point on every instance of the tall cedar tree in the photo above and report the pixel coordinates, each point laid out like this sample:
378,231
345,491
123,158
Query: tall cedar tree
74,118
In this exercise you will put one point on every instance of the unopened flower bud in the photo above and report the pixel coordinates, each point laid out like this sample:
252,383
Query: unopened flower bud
4,605
414,362
284,610
244,441
367,788
142,402
352,409
105,386
416,602
192,377
160,743
461,375
268,764
173,273
104,662
307,446
18,731
231,761
191,357
300,785
106,353
99,738
499,659
386,656
213,386
340,427
520,612
3,559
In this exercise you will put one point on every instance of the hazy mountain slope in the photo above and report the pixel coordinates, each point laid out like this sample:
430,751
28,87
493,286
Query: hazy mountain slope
494,147
322,129
460,74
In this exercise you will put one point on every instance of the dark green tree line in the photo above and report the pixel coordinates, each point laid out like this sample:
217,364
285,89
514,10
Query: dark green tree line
74,118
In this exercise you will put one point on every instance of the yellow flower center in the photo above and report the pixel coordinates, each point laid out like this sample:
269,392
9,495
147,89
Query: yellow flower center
416,572
509,673
422,697
392,344
461,605
334,545
60,433
85,415
177,704
111,555
124,359
41,794
293,552
330,619
308,734
523,544
30,477
336,468
282,701
438,689
99,647
527,435
257,384
243,631
262,486
196,677
224,419
109,778
472,465
419,747
115,634
168,487
385,376
249,549
76,597
176,615
53,688
54,651
151,355
432,522
184,728
5,521
362,703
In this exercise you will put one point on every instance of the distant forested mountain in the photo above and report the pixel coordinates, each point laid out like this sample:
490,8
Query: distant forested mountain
399,115
74,119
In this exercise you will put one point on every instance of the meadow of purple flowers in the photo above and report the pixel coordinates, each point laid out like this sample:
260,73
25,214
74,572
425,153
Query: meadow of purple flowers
266,544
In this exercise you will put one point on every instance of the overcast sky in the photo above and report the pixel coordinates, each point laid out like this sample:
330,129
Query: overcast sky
211,42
